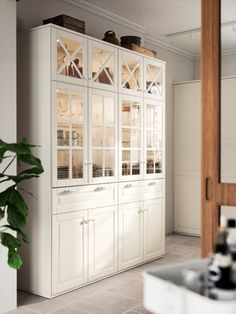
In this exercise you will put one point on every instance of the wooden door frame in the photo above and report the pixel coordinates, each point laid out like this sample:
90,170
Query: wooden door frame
213,192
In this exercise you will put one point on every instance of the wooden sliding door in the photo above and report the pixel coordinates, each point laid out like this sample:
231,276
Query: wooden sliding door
214,193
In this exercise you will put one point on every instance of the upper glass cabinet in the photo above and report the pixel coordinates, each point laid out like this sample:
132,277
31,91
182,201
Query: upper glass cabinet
102,66
69,135
103,143
154,79
130,138
70,55
153,139
131,73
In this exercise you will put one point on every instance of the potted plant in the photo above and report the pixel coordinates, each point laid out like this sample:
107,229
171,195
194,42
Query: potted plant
12,205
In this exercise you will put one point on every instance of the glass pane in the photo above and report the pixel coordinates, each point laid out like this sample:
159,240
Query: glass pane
97,163
109,137
97,115
158,162
150,142
69,57
98,137
126,138
136,114
154,79
102,66
135,162
77,164
109,163
77,110
63,109
109,117
150,162
126,163
63,164
130,72
77,137
135,138
62,134
153,116
126,113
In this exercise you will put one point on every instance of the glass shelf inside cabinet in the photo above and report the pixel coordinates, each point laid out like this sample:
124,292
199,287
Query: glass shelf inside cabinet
70,134
102,66
154,79
130,73
70,59
130,137
154,138
103,135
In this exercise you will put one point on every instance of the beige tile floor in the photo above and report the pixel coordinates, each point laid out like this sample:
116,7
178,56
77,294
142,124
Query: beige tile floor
116,295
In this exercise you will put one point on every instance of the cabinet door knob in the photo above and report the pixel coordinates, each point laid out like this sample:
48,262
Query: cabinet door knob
140,211
99,189
90,219
127,186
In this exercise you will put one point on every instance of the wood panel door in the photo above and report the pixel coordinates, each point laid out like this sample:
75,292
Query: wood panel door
214,192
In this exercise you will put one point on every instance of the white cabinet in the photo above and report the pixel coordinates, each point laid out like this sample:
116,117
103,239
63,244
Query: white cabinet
154,229
69,251
130,235
102,230
84,247
141,232
96,111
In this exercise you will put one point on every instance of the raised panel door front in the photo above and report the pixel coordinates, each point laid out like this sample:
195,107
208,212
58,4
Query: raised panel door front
69,251
154,229
102,226
130,235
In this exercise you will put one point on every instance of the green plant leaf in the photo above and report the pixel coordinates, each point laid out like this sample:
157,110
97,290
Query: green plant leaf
20,233
34,170
17,200
4,197
30,160
15,217
9,241
2,214
18,179
14,259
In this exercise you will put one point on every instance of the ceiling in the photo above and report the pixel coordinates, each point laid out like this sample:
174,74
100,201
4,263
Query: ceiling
174,22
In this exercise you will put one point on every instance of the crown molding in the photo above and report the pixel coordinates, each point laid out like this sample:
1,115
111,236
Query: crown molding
108,15
160,43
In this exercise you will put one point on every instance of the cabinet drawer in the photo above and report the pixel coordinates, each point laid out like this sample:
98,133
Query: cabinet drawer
84,197
141,190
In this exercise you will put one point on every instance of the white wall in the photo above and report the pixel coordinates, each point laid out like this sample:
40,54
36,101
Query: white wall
7,128
32,12
228,66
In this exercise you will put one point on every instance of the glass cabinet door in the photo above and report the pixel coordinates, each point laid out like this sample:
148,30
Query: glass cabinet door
131,73
102,66
103,144
69,135
154,79
130,138
70,58
153,139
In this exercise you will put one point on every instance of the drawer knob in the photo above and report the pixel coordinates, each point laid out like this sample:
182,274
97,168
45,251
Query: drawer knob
151,183
65,192
127,186
99,189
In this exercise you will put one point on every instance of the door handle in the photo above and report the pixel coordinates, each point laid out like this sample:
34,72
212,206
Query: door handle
208,188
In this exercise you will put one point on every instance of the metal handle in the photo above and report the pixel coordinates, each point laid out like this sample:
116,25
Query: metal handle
99,188
65,192
140,211
127,186
151,183
90,219
208,188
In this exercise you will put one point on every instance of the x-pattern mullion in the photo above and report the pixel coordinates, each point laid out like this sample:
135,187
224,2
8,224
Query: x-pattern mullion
154,79
103,66
130,73
70,56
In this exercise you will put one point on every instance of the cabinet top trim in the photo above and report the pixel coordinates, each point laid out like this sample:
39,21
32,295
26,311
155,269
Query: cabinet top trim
89,37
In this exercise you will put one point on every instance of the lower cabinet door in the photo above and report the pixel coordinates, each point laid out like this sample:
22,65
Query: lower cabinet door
102,226
154,229
130,235
69,252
